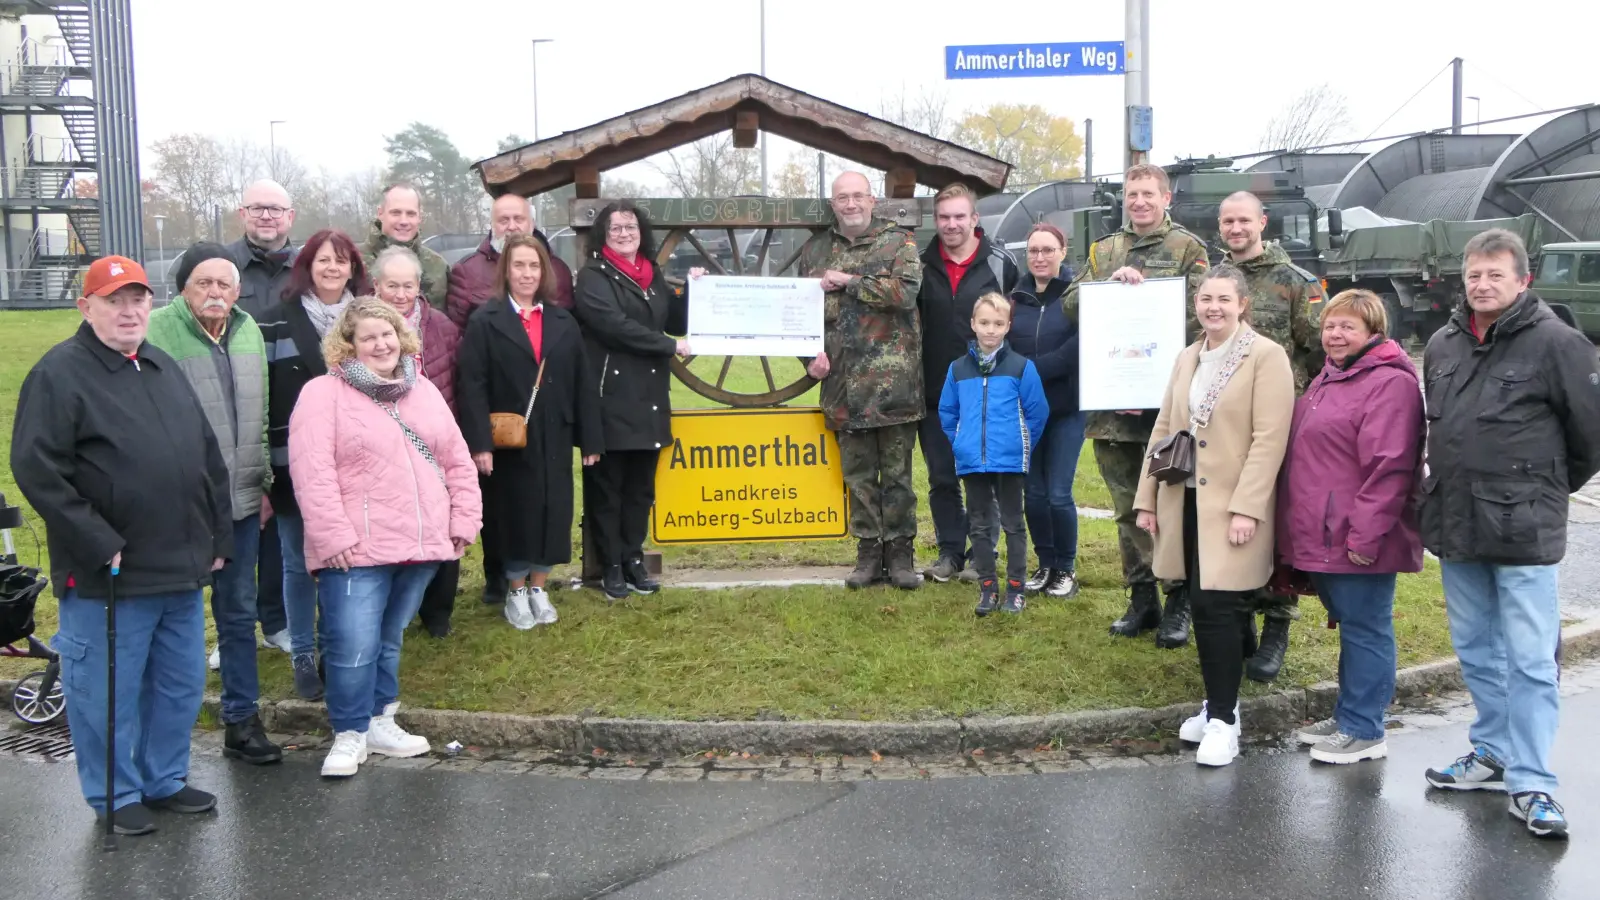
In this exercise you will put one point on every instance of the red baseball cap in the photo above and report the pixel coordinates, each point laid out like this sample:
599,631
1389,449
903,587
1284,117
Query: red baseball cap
109,273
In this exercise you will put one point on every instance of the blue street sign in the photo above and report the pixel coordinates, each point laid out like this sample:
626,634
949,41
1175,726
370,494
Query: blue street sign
1033,60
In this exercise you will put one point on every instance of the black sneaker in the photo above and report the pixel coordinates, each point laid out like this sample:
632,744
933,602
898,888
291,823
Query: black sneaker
612,582
133,819
988,596
186,800
247,741
1063,583
1015,601
638,577
1039,579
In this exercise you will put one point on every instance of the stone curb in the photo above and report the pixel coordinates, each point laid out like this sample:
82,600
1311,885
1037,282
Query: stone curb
1267,716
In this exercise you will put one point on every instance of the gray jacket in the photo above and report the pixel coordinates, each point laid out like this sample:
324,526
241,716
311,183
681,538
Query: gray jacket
262,275
1513,428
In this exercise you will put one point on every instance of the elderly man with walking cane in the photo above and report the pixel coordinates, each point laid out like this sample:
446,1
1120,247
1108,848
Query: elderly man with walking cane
112,448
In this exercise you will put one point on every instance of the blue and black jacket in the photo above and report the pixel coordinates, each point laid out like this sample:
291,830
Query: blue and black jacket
993,418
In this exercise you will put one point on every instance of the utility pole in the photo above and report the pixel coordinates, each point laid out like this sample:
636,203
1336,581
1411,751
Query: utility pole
536,43
763,75
1455,95
1088,150
272,143
1477,113
1136,81
822,177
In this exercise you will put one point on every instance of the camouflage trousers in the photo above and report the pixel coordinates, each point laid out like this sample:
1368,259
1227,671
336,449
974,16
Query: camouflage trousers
877,472
1121,466
1274,606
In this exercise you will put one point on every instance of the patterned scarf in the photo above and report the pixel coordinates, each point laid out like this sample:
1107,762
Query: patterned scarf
386,393
1200,417
321,314
986,361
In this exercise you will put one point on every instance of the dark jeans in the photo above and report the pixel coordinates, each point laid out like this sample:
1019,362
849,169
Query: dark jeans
269,582
987,493
494,570
233,606
1052,513
1364,607
951,529
1221,625
618,492
439,600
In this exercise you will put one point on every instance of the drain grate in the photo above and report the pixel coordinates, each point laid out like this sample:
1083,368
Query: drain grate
49,741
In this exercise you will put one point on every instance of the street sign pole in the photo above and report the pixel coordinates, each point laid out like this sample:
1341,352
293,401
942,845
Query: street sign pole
1136,81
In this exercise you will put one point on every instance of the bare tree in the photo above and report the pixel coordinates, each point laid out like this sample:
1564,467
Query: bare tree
1316,117
927,112
711,167
192,170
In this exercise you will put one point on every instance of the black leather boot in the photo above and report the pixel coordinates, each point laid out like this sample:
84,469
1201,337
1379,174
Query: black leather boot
900,558
1144,612
869,565
247,741
1173,631
1268,659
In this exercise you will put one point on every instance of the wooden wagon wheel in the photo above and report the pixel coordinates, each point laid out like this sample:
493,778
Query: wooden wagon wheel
708,375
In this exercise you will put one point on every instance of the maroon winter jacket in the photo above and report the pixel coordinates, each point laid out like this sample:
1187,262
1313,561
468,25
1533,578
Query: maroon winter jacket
1349,480
440,338
472,280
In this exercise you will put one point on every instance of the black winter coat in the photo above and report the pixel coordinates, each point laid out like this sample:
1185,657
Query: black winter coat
262,278
294,357
626,332
1041,331
947,315
1513,428
527,500
117,456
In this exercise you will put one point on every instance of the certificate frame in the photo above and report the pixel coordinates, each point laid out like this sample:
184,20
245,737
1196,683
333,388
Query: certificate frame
1129,338
753,315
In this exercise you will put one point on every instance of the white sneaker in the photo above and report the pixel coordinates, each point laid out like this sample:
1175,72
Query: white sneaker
278,641
1194,727
386,736
517,611
1220,743
215,660
348,753
544,612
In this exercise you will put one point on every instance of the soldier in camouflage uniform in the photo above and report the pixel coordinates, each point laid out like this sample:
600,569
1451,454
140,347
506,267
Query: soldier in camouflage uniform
399,224
1285,306
1149,245
871,373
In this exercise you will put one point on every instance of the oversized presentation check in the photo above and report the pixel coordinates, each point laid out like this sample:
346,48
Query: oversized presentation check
732,315
1129,337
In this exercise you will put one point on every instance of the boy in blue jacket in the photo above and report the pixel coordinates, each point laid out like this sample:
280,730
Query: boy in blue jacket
992,409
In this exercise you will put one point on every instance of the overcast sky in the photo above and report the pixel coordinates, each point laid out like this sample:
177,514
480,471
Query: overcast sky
344,73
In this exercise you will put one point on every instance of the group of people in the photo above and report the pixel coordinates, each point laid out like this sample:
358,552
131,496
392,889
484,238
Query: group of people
318,432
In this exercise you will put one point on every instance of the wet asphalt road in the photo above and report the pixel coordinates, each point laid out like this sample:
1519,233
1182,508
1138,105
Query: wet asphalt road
1271,826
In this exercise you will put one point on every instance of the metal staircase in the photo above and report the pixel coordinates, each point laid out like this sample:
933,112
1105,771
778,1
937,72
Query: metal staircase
74,21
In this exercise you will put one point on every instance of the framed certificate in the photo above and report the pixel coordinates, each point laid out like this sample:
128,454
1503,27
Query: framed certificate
1129,337
732,315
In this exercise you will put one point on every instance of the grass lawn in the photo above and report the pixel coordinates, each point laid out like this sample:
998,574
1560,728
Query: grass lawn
801,652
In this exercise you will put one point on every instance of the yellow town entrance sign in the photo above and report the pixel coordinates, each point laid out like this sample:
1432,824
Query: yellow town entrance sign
749,475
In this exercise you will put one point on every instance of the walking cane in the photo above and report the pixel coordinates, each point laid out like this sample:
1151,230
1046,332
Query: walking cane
111,711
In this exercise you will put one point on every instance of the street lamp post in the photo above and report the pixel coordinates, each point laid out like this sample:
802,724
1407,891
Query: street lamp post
161,254
536,43
1477,113
763,75
272,143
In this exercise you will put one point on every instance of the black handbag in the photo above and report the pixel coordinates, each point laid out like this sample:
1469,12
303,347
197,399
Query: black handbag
1172,459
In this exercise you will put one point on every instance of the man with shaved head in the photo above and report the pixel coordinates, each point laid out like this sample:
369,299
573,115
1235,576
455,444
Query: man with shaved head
265,253
871,374
1285,306
399,224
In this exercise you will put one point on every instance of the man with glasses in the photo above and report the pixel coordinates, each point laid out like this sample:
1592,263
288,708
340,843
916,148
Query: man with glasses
399,224
871,373
265,253
958,266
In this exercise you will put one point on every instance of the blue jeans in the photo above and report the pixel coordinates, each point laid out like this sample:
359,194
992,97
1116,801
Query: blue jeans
366,611
233,605
1363,605
1051,512
161,678
306,630
1505,622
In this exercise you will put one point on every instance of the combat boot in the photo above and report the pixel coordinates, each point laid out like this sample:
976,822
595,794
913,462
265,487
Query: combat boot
902,562
1174,629
1144,612
1268,658
869,565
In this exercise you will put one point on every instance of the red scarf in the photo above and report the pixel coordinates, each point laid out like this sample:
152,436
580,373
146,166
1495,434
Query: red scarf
640,270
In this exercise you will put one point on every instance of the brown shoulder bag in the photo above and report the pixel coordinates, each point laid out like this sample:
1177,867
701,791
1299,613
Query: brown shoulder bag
509,430
1172,458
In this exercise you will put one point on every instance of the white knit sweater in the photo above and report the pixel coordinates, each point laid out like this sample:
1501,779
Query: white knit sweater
1204,373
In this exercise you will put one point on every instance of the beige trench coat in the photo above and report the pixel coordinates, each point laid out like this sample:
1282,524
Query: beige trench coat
1237,457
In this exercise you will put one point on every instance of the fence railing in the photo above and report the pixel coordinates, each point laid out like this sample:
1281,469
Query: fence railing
40,288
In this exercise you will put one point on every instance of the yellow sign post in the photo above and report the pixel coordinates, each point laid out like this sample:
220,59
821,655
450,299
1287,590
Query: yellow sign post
736,475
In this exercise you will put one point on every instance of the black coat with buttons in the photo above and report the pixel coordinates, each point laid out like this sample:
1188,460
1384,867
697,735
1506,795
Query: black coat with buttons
626,330
1513,428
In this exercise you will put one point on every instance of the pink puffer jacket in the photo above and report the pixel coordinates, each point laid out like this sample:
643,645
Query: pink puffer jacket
362,484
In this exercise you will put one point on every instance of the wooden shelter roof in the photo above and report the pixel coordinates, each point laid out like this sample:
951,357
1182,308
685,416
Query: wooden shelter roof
744,104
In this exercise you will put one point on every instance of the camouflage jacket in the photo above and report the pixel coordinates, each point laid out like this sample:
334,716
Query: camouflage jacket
435,271
872,333
1286,306
1168,252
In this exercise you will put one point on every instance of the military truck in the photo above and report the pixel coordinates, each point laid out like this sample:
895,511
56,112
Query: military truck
1569,274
